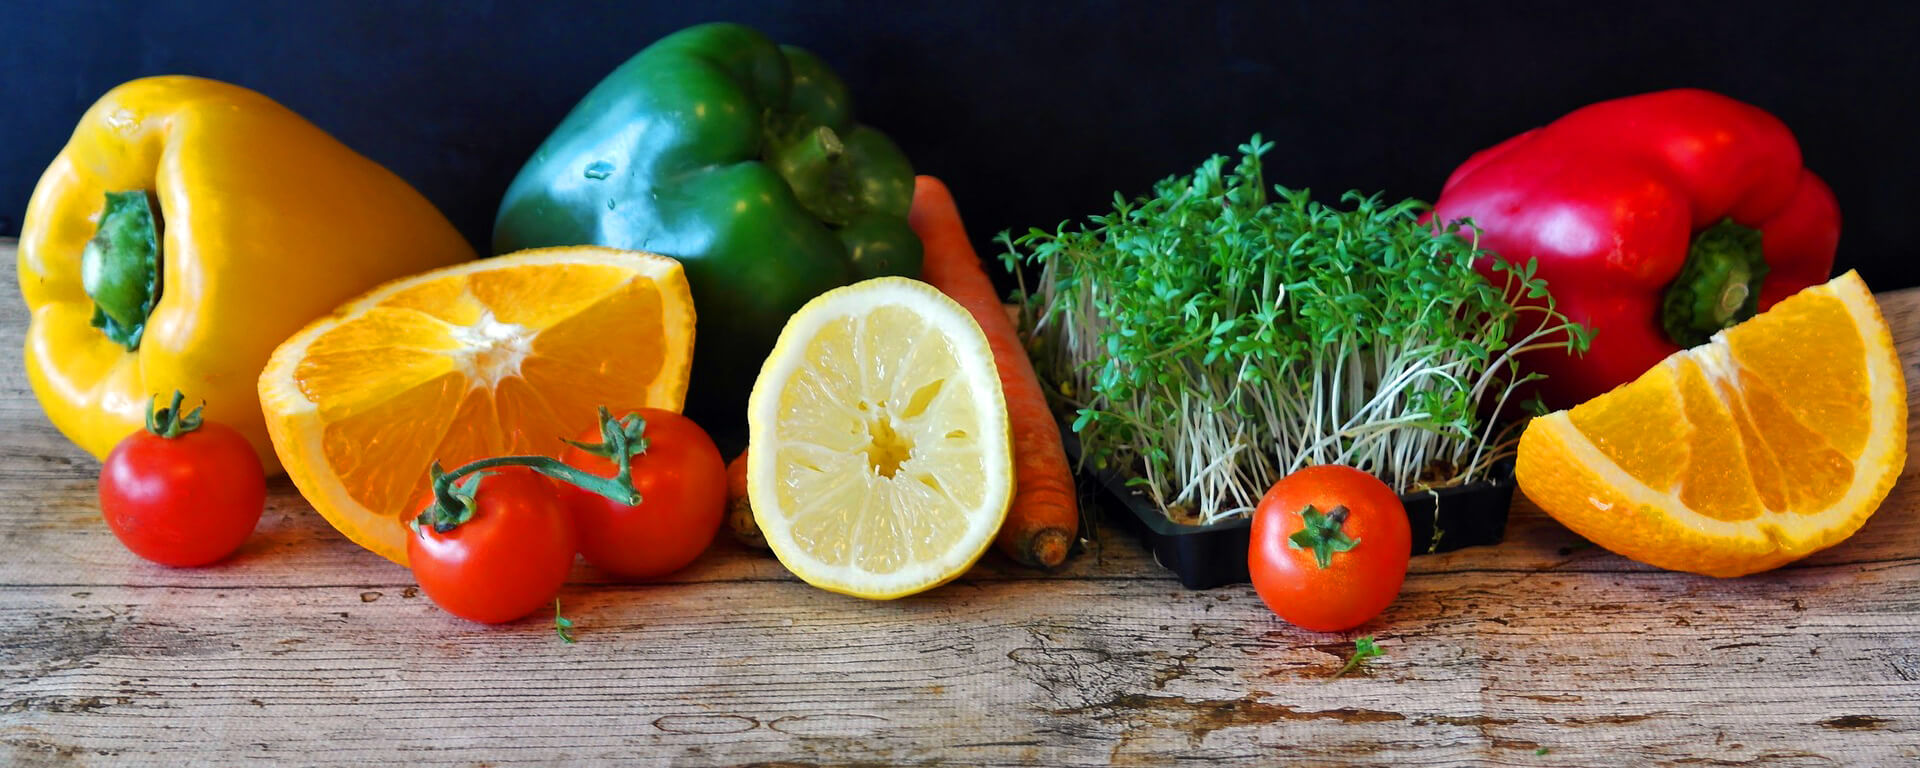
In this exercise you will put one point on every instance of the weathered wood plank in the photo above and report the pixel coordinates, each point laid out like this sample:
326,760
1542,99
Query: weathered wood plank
1608,669
305,649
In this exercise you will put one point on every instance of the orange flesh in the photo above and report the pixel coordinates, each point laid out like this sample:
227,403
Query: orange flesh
1712,484
1823,384
1639,427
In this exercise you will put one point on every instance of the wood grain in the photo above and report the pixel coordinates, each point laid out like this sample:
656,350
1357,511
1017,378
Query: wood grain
307,650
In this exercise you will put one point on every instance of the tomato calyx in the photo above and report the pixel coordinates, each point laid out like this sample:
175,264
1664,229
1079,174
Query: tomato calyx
169,422
1322,533
631,428
453,492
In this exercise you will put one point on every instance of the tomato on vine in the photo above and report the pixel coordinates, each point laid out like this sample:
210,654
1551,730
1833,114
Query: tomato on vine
506,559
495,542
184,491
1329,548
677,470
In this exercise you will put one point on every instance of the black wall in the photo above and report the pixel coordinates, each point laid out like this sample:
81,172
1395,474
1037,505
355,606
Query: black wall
1032,111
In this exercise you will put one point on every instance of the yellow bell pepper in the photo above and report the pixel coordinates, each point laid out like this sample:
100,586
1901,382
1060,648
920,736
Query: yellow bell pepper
188,227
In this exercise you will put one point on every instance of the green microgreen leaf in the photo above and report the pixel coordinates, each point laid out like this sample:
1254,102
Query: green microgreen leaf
562,624
1363,649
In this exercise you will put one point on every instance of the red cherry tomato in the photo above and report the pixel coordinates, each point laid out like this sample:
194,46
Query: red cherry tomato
683,497
1366,548
185,500
508,561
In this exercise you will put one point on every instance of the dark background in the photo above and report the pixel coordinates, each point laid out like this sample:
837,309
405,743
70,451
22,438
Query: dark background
1033,112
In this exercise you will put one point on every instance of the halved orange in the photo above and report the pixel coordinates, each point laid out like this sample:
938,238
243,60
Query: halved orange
1776,439
500,356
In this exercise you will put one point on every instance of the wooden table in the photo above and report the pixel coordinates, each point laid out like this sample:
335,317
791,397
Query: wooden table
1541,651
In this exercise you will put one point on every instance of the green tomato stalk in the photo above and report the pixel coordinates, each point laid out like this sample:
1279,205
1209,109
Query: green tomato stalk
621,440
170,422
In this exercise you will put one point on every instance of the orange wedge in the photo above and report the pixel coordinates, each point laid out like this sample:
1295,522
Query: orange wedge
1776,439
499,356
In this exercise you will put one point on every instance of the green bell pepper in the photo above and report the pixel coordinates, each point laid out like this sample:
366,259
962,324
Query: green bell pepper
741,159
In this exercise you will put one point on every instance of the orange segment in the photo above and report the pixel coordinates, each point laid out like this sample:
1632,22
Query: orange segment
504,355
1824,385
1619,425
1715,482
1769,481
1820,471
1778,438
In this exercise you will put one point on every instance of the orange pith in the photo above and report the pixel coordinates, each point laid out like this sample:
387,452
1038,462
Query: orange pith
1775,440
501,356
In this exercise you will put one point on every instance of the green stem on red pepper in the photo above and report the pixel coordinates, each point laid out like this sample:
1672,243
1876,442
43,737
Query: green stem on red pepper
453,492
1718,287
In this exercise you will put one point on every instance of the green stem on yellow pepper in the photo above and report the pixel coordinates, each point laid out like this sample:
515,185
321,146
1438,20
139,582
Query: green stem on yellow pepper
120,266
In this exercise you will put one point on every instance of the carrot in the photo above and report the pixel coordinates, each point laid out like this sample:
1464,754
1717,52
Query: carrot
739,509
1044,519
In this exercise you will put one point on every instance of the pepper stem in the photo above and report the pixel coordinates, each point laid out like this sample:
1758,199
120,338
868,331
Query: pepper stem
120,266
170,422
453,492
1718,287
811,165
1322,534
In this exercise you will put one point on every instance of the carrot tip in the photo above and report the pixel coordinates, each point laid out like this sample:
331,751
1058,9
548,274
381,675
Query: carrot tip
1049,547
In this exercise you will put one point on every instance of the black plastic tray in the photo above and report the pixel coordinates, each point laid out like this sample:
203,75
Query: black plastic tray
1208,556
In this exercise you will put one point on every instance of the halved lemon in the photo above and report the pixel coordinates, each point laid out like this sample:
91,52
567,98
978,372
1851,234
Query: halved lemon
1776,439
881,461
506,355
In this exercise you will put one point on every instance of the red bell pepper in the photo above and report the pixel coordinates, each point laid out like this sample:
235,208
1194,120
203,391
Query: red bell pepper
1656,220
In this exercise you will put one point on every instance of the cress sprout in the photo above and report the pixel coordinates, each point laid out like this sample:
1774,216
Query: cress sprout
1211,338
